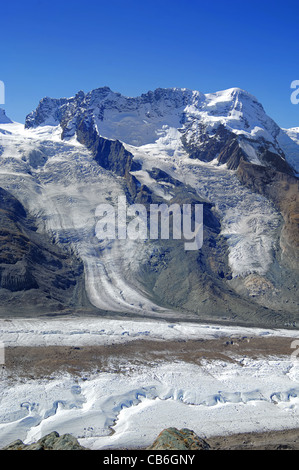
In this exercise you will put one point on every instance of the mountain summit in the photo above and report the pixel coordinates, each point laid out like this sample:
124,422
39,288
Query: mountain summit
231,116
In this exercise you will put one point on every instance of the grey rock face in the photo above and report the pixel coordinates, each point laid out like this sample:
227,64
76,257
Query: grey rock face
89,111
34,273
175,439
52,441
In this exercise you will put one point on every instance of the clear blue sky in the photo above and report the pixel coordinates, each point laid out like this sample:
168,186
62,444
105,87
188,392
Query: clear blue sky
56,48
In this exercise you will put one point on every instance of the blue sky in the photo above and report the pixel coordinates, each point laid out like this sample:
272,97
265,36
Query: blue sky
54,48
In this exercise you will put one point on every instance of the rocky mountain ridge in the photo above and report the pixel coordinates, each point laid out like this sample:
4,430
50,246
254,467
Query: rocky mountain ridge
206,122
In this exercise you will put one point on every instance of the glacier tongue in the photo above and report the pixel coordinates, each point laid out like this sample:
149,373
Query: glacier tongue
64,193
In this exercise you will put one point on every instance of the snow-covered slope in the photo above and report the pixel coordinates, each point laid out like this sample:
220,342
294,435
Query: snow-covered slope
139,121
249,221
289,142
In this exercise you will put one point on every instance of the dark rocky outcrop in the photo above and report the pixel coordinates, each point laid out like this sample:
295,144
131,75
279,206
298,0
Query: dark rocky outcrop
226,146
223,144
175,439
35,274
109,154
52,441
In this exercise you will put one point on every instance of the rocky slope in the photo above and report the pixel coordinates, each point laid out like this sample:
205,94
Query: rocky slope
175,439
172,439
283,189
35,275
166,146
52,441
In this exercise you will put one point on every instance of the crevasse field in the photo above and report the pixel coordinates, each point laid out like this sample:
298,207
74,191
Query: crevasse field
130,404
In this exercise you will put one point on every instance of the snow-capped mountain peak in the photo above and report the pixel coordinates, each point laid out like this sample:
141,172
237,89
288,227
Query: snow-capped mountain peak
229,114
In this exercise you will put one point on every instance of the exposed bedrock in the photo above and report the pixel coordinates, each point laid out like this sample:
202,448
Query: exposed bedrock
36,276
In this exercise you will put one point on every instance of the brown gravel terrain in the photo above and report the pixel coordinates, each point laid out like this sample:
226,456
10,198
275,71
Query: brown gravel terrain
38,362
35,362
272,440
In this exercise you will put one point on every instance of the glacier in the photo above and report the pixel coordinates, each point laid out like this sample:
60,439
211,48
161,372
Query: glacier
63,193
61,184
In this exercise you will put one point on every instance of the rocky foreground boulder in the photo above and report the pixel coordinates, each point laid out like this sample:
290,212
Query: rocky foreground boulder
52,441
168,439
175,439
